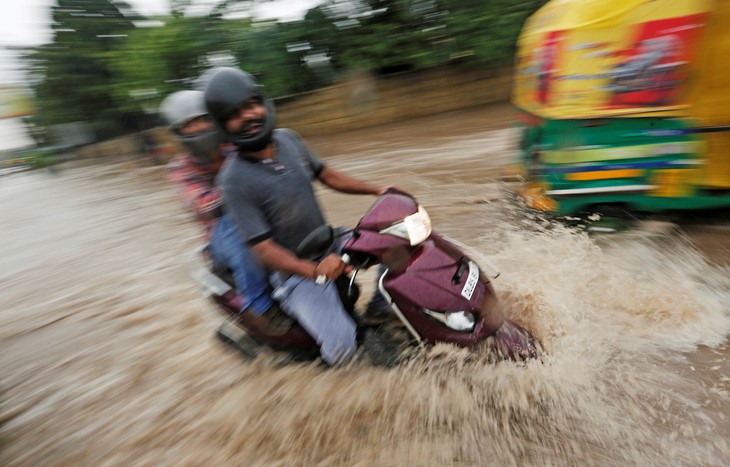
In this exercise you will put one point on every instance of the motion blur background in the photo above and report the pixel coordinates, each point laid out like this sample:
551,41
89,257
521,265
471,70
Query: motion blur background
80,71
108,355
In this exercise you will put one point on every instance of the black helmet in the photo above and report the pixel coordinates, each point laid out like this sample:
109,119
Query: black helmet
178,109
227,90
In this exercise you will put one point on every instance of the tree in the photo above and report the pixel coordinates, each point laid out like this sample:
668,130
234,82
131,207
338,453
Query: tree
485,33
156,61
276,54
71,75
101,69
396,35
376,35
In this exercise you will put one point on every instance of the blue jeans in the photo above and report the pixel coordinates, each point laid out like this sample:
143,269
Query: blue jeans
228,250
319,310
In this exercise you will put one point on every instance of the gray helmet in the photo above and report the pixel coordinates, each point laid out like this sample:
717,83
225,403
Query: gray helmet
182,106
227,89
178,109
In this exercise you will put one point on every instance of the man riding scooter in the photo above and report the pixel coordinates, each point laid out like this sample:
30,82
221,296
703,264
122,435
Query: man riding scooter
267,187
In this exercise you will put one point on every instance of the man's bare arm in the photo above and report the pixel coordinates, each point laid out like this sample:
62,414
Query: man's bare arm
274,256
344,183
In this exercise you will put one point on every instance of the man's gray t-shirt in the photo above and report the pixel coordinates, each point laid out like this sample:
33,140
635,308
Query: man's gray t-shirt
274,198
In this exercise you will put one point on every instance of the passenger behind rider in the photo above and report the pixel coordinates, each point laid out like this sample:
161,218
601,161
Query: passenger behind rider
194,172
268,189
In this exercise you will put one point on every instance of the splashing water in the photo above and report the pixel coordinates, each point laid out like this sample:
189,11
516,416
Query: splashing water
108,359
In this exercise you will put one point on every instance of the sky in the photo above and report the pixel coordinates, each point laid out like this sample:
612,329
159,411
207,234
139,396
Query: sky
26,22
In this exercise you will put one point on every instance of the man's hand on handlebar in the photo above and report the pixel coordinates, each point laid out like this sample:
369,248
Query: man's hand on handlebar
331,267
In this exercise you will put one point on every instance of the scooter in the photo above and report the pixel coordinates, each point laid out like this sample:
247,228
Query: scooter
438,294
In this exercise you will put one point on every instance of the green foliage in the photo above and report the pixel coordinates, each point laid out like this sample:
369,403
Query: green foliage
101,69
263,51
154,61
485,33
373,35
35,158
71,75
395,35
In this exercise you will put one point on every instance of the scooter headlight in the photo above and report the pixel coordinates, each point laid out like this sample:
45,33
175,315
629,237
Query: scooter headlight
460,320
456,320
415,228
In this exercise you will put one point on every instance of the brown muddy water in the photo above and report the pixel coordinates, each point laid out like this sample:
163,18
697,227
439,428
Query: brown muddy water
108,356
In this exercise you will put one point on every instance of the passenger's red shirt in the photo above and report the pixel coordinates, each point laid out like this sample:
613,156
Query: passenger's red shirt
197,183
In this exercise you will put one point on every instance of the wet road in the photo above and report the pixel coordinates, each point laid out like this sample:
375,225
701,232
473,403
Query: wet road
108,356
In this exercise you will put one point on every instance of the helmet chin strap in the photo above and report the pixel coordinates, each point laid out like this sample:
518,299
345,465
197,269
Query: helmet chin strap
260,140
253,146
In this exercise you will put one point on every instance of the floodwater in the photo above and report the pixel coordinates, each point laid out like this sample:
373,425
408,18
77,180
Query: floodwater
108,355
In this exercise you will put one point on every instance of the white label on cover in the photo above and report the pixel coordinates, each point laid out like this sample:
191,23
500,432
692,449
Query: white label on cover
471,281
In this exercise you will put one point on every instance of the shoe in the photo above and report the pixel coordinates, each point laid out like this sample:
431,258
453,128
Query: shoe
273,322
